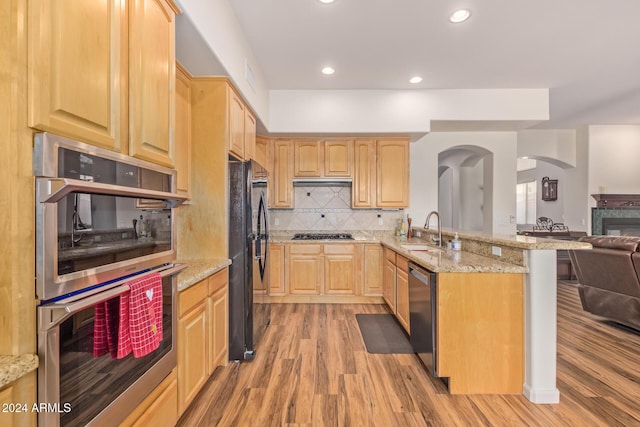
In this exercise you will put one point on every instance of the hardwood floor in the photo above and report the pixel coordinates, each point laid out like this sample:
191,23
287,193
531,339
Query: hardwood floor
312,369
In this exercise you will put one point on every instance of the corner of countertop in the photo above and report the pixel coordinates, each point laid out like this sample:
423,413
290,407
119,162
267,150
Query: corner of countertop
13,368
199,269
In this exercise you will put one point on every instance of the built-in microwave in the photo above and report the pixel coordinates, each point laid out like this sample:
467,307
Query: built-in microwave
100,216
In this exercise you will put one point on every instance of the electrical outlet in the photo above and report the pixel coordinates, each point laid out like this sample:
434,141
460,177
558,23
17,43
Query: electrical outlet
496,250
276,221
380,221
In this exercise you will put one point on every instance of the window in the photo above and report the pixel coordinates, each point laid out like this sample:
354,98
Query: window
526,202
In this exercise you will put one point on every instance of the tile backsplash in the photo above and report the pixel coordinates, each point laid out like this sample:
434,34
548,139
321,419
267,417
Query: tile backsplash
329,208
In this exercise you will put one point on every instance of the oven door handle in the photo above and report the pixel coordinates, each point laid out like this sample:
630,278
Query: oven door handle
52,315
52,190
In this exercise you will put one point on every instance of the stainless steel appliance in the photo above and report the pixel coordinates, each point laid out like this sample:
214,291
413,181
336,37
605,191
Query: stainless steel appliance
102,220
322,236
248,250
423,315
91,390
89,204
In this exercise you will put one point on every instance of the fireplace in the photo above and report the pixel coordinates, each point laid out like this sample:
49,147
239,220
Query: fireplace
616,215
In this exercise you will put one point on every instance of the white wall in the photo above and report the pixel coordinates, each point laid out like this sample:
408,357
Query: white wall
472,197
614,152
499,180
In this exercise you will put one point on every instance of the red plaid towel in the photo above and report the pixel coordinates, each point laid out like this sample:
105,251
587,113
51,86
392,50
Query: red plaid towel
124,338
145,314
99,330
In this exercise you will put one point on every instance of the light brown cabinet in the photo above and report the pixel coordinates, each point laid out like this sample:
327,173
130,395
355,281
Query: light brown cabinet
160,408
338,158
402,291
249,135
129,55
340,270
77,77
373,268
363,188
281,195
308,159
392,178
262,152
183,131
236,123
276,269
304,269
151,80
202,334
389,280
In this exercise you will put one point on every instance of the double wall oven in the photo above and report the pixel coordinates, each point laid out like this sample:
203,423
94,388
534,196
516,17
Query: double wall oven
103,221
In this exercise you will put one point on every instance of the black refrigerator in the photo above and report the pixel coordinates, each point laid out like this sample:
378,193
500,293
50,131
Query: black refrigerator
249,314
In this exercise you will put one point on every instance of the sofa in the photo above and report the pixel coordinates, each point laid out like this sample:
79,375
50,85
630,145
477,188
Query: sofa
609,277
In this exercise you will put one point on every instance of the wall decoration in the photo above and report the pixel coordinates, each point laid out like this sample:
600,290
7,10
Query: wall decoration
549,189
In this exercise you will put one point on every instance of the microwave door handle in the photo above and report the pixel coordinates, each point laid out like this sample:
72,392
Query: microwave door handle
52,190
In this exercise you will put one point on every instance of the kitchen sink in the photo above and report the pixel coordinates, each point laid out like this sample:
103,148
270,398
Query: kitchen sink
422,248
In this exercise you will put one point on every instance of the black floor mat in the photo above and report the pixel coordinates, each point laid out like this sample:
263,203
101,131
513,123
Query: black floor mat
382,334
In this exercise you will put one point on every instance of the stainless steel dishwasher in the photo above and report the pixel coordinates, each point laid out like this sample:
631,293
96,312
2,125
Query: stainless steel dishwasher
422,317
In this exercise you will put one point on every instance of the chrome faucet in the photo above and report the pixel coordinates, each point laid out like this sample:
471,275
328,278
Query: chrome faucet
437,240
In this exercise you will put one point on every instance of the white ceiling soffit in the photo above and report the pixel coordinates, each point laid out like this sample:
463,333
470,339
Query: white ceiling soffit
583,51
193,52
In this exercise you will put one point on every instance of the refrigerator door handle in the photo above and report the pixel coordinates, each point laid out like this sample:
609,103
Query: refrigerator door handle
262,218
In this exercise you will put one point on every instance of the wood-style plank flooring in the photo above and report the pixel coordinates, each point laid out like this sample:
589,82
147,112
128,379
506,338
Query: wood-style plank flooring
312,369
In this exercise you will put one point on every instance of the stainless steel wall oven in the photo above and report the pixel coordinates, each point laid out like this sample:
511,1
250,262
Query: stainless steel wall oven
104,224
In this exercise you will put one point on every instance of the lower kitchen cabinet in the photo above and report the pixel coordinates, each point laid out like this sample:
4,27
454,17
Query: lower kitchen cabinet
202,334
304,272
402,291
160,408
340,269
389,279
276,261
372,270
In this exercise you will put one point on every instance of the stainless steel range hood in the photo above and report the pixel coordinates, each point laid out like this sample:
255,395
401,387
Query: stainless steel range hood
322,182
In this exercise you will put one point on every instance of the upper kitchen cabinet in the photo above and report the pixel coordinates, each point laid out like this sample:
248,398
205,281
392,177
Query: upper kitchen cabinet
392,181
183,131
77,74
338,158
151,80
230,118
103,73
363,189
308,159
281,193
262,152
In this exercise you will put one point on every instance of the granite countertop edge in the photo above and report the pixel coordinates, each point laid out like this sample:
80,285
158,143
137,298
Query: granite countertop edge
13,368
198,270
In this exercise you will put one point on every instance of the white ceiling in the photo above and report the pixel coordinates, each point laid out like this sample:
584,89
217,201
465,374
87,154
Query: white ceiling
587,52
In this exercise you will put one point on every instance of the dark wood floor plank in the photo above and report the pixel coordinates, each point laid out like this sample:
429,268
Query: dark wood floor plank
312,369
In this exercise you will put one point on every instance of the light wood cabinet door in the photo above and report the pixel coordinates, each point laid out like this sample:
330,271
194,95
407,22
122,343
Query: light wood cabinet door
304,269
163,412
76,72
282,193
218,328
389,285
249,135
392,173
276,269
338,158
308,159
192,354
262,152
339,269
363,189
151,80
402,295
373,268
183,131
236,124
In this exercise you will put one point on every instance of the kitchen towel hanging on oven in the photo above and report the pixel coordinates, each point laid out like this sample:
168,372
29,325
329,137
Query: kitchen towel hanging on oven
141,316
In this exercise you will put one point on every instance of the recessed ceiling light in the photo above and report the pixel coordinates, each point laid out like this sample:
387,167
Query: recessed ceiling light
460,16
326,1
328,71
415,79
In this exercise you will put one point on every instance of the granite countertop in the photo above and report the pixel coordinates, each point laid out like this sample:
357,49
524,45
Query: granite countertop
198,270
442,260
14,367
513,240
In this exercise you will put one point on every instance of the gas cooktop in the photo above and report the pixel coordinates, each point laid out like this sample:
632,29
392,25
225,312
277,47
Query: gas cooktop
322,236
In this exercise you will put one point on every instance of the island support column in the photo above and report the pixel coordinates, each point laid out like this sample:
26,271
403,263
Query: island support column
540,325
